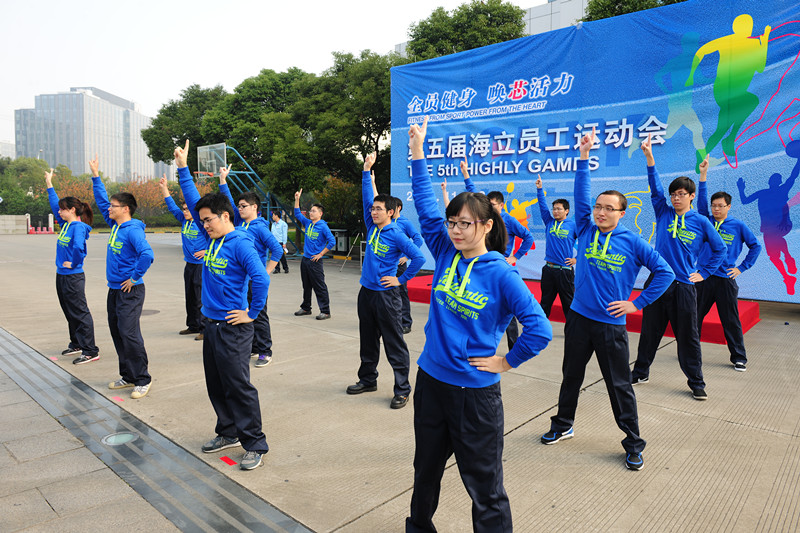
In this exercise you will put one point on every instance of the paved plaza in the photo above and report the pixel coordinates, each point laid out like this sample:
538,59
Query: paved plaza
340,463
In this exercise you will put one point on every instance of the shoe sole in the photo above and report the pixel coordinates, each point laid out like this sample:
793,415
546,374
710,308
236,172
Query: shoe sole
398,406
257,365
83,362
700,398
260,462
365,389
127,386
137,396
562,437
640,382
633,467
744,369
303,314
232,445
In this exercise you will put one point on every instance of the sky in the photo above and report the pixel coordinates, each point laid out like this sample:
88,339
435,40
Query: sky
150,50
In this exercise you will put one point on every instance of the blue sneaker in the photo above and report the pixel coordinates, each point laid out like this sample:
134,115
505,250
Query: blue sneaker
634,461
551,437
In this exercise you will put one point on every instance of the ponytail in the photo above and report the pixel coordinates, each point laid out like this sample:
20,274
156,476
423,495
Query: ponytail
87,217
481,208
82,209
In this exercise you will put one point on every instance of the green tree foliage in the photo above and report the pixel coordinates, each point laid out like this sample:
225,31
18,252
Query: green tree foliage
601,9
471,25
23,188
179,120
342,202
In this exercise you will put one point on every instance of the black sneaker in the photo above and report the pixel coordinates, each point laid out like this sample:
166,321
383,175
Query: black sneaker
699,394
359,387
323,316
302,312
189,331
551,437
84,358
637,381
276,271
406,330
71,351
634,461
398,402
739,366
219,443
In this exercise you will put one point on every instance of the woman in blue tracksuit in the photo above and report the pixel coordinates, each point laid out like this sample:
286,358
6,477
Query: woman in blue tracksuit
458,408
75,218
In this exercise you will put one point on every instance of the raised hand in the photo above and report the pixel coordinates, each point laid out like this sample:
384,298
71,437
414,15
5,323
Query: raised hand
647,149
162,184
539,181
297,198
416,139
369,161
464,169
223,175
704,168
48,177
587,142
182,155
94,166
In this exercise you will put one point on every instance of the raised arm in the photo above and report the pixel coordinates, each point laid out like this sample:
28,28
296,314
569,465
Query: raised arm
368,191
582,184
657,197
543,210
467,181
99,190
445,196
52,196
172,207
297,214
702,189
431,220
190,193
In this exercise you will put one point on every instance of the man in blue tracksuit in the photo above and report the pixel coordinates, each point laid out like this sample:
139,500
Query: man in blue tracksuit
247,218
680,235
128,257
318,240
280,230
513,229
379,298
721,288
609,259
557,274
229,262
194,248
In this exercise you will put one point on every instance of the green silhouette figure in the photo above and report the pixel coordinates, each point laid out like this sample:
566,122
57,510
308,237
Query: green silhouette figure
740,57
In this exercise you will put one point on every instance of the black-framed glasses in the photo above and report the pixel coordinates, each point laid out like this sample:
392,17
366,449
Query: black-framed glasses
462,224
678,195
243,206
207,221
606,208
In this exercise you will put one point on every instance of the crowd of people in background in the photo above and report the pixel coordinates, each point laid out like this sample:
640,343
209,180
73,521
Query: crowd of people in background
591,262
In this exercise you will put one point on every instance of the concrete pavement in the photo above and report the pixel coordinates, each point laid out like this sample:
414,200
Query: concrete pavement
344,463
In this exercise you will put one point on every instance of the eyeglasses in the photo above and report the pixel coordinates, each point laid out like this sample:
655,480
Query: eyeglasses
243,206
606,208
462,224
376,209
207,221
719,206
681,195
114,206
184,208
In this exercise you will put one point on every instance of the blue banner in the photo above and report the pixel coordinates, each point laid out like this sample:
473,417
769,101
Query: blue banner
700,77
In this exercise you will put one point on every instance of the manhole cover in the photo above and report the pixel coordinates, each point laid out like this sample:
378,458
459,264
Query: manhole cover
118,439
147,312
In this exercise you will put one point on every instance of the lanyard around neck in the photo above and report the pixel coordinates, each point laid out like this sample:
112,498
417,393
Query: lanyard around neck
675,226
605,246
374,240
464,281
211,257
113,238
63,232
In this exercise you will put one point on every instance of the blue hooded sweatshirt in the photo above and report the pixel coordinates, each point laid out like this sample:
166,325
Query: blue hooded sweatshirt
191,239
71,245
559,236
128,255
609,262
318,235
472,302
679,239
410,231
257,231
228,264
513,228
734,233
385,247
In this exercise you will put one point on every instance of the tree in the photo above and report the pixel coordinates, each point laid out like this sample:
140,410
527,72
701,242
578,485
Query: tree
179,120
23,188
342,203
601,9
471,25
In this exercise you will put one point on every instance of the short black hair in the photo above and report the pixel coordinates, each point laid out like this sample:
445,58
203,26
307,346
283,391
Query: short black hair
217,203
249,197
623,202
126,199
390,202
497,196
318,206
684,183
564,203
722,194
399,202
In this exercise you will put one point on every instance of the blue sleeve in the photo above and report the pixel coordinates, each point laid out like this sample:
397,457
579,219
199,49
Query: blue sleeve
174,209
145,256
537,332
431,221
656,191
52,197
79,244
583,205
275,248
545,212
101,199
412,233
367,196
300,218
520,231
702,198
329,240
284,227
191,196
224,189
469,185
663,275
718,249
248,257
753,248
411,251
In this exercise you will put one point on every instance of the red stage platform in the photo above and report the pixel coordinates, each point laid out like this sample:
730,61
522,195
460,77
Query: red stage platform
419,290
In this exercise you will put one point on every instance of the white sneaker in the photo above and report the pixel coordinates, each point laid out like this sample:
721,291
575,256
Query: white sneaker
140,391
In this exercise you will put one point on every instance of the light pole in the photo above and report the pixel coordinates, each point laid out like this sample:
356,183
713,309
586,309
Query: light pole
39,155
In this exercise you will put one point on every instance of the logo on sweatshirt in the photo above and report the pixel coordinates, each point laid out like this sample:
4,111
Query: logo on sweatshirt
465,304
727,238
116,246
686,236
608,262
217,266
559,232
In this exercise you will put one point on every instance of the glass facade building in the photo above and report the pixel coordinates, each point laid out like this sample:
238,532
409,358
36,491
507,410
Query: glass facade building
70,128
